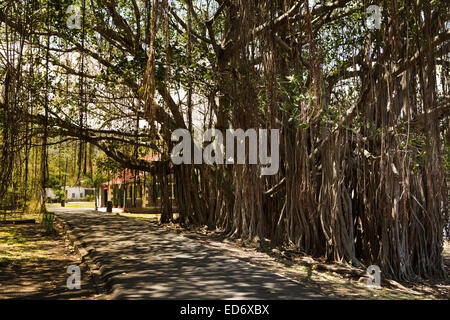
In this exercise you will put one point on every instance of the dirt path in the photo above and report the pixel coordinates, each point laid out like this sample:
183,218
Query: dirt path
34,265
139,260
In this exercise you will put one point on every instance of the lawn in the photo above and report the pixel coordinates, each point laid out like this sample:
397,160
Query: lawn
21,244
89,205
142,217
33,265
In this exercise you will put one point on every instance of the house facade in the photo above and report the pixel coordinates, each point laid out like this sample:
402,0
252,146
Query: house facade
78,193
136,192
50,194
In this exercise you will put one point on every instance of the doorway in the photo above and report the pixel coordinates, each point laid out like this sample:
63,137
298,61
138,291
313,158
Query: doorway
105,197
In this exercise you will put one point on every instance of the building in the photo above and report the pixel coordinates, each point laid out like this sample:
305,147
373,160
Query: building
50,194
78,193
136,192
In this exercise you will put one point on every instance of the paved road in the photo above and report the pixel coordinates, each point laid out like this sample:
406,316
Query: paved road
141,261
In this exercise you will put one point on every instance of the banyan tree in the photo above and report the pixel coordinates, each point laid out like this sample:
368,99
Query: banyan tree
362,107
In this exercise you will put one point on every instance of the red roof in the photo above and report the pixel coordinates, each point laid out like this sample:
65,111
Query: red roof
128,175
152,158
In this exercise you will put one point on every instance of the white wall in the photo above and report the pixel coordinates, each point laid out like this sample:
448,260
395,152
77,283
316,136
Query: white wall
75,193
50,194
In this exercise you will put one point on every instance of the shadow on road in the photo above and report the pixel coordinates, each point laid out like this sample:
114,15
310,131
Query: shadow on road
141,261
